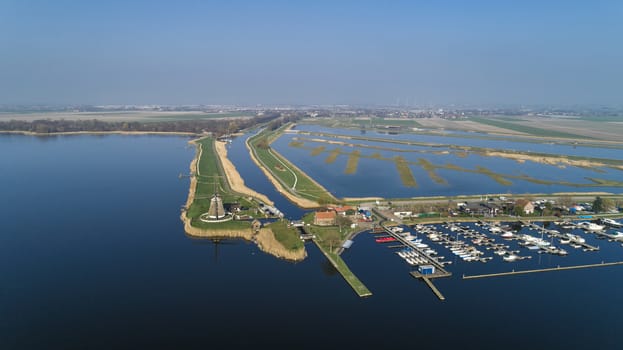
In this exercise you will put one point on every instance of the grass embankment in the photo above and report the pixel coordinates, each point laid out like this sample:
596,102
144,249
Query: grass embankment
208,174
332,157
288,237
406,175
353,162
318,150
291,178
526,129
430,170
329,239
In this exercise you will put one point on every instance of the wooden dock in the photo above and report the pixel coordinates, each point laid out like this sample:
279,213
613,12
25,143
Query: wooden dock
439,270
433,288
558,268
556,234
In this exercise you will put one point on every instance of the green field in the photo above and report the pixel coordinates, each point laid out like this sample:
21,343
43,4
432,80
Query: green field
209,173
526,129
329,239
295,181
287,236
197,116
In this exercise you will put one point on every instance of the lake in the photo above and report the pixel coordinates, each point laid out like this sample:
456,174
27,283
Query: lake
449,182
93,255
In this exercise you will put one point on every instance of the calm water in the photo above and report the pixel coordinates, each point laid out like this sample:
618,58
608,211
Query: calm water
93,255
457,182
455,138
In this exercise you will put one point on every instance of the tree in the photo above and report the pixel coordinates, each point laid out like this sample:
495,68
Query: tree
566,201
598,205
602,204
343,221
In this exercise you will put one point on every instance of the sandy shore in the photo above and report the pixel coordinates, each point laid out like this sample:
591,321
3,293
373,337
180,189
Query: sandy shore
233,176
265,240
550,160
362,199
268,243
301,202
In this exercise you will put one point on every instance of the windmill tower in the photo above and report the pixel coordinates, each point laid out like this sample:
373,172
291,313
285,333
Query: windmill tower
216,211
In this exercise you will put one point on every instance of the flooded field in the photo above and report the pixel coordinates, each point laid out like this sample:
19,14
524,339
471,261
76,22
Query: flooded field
433,167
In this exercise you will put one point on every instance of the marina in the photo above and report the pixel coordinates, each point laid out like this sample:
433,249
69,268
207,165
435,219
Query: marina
482,242
416,254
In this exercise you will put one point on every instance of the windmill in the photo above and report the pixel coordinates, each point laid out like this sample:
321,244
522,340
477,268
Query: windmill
217,210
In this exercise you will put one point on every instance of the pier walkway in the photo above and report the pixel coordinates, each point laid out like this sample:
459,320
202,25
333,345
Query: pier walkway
439,269
558,268
556,234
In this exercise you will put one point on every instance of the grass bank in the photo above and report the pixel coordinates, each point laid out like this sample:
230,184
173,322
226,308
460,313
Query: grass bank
329,239
289,179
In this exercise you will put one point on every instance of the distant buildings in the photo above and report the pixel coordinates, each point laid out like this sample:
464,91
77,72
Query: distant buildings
525,205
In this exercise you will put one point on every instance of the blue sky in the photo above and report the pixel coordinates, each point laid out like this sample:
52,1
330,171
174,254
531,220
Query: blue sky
311,52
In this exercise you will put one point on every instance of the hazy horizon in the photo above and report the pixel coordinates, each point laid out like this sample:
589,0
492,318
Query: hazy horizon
325,53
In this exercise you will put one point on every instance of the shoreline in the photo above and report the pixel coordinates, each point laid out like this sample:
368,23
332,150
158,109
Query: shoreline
235,180
301,202
119,132
304,173
265,240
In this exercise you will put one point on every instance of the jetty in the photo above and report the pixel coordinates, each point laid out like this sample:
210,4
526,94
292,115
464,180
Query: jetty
438,270
557,268
557,234
341,267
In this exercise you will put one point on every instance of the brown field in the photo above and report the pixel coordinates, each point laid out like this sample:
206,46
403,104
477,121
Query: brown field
116,116
465,125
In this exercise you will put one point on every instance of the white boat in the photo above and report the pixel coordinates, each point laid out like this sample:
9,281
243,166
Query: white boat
495,229
507,234
510,258
611,223
575,238
589,226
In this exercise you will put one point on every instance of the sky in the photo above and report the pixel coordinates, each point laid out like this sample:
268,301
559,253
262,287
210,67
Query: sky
416,52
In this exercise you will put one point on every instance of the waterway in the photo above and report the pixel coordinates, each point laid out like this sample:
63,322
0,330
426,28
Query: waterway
371,169
474,139
93,255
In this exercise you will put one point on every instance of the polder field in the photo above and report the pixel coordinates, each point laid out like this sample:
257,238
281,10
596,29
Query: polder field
209,176
598,129
210,179
352,162
125,116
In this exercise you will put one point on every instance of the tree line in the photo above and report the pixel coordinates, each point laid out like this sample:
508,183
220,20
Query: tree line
215,126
